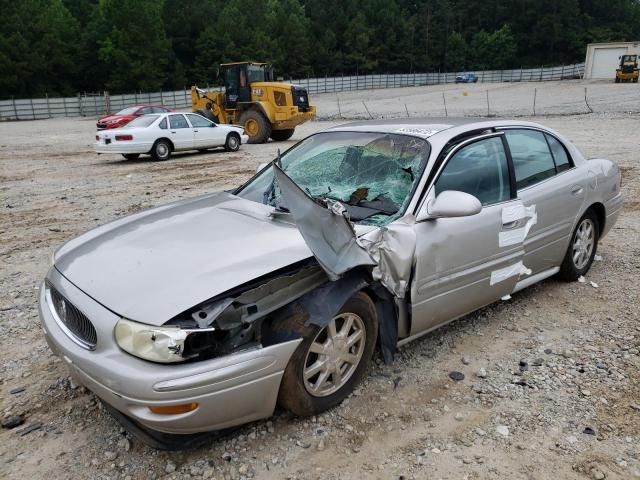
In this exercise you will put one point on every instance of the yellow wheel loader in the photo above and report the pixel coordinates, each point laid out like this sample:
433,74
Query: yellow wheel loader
251,99
628,70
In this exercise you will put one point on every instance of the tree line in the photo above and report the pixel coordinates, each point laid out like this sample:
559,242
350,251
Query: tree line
60,47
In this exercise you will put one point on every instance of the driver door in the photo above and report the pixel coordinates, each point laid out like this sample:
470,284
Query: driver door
460,265
205,133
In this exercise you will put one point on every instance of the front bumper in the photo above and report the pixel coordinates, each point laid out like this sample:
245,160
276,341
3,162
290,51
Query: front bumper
244,138
291,120
229,390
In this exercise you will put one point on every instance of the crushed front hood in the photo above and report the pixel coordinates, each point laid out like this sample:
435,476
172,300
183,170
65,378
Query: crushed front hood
152,266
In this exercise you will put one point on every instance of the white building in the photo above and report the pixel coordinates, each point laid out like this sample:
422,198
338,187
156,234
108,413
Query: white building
603,58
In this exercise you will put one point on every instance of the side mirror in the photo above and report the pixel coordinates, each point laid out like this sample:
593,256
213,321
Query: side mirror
450,204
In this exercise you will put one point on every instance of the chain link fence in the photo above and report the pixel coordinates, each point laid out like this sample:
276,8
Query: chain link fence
96,104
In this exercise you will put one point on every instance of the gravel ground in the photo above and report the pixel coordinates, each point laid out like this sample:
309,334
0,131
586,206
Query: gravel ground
551,387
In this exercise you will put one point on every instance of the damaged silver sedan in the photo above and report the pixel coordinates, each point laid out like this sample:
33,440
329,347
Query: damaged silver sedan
205,313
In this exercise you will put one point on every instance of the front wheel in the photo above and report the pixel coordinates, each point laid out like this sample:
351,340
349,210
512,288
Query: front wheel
233,143
282,135
161,150
256,126
582,249
331,360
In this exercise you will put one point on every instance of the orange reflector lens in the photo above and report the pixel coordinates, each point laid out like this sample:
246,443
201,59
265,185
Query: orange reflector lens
174,409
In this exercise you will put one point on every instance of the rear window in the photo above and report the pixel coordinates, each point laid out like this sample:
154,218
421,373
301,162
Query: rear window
143,121
559,154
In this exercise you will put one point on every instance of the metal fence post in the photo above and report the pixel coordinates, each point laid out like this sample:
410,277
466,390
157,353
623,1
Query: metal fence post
174,99
444,100
541,69
535,93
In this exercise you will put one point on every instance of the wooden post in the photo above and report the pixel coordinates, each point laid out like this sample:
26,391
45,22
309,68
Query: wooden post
488,109
48,107
444,100
15,110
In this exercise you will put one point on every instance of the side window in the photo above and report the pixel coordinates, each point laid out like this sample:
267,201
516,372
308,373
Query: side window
532,159
163,123
479,169
198,121
559,154
146,110
178,121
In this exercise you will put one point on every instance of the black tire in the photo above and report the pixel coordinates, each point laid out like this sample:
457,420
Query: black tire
617,80
256,126
131,156
161,150
282,135
293,394
570,271
635,80
233,142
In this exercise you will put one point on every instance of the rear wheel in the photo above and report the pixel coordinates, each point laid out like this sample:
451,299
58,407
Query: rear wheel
161,150
131,156
331,360
233,142
582,249
256,126
282,135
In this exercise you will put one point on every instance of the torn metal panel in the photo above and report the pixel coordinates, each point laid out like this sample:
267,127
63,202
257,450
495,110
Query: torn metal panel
327,231
520,219
387,322
245,308
393,249
323,303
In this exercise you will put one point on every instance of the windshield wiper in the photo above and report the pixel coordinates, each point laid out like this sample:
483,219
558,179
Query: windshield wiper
270,192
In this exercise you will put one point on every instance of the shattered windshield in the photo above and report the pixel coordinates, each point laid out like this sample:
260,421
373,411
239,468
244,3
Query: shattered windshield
371,174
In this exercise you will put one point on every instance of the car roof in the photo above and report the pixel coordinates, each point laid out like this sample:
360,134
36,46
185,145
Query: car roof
431,127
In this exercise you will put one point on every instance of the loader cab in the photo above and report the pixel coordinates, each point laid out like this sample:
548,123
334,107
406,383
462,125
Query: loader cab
628,63
238,77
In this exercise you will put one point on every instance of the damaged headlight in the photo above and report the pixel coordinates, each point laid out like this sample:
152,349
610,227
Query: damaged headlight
156,344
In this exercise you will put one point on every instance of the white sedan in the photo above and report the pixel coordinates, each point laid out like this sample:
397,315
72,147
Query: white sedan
161,134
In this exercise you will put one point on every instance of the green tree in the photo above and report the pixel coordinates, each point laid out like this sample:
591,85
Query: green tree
456,53
135,48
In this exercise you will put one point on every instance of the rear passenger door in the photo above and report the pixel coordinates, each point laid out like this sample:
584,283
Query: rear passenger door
547,182
460,263
180,132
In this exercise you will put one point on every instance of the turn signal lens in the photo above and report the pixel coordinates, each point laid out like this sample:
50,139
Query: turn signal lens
174,409
124,137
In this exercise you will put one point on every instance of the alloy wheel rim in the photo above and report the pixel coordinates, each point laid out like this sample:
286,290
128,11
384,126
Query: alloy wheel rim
334,355
583,243
233,142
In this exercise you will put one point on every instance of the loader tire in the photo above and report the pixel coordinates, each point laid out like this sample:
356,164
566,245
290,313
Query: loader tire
256,126
282,135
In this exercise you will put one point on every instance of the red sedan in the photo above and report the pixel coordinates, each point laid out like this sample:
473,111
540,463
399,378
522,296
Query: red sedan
123,117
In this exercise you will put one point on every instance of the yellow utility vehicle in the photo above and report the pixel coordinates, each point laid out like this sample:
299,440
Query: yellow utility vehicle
254,101
628,70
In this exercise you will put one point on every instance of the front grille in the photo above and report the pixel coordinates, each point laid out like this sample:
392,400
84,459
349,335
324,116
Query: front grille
73,321
300,98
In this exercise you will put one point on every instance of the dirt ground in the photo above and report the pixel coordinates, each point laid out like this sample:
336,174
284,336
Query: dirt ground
551,387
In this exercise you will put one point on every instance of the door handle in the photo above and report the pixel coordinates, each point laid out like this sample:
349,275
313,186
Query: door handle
195,131
577,190
173,131
512,225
